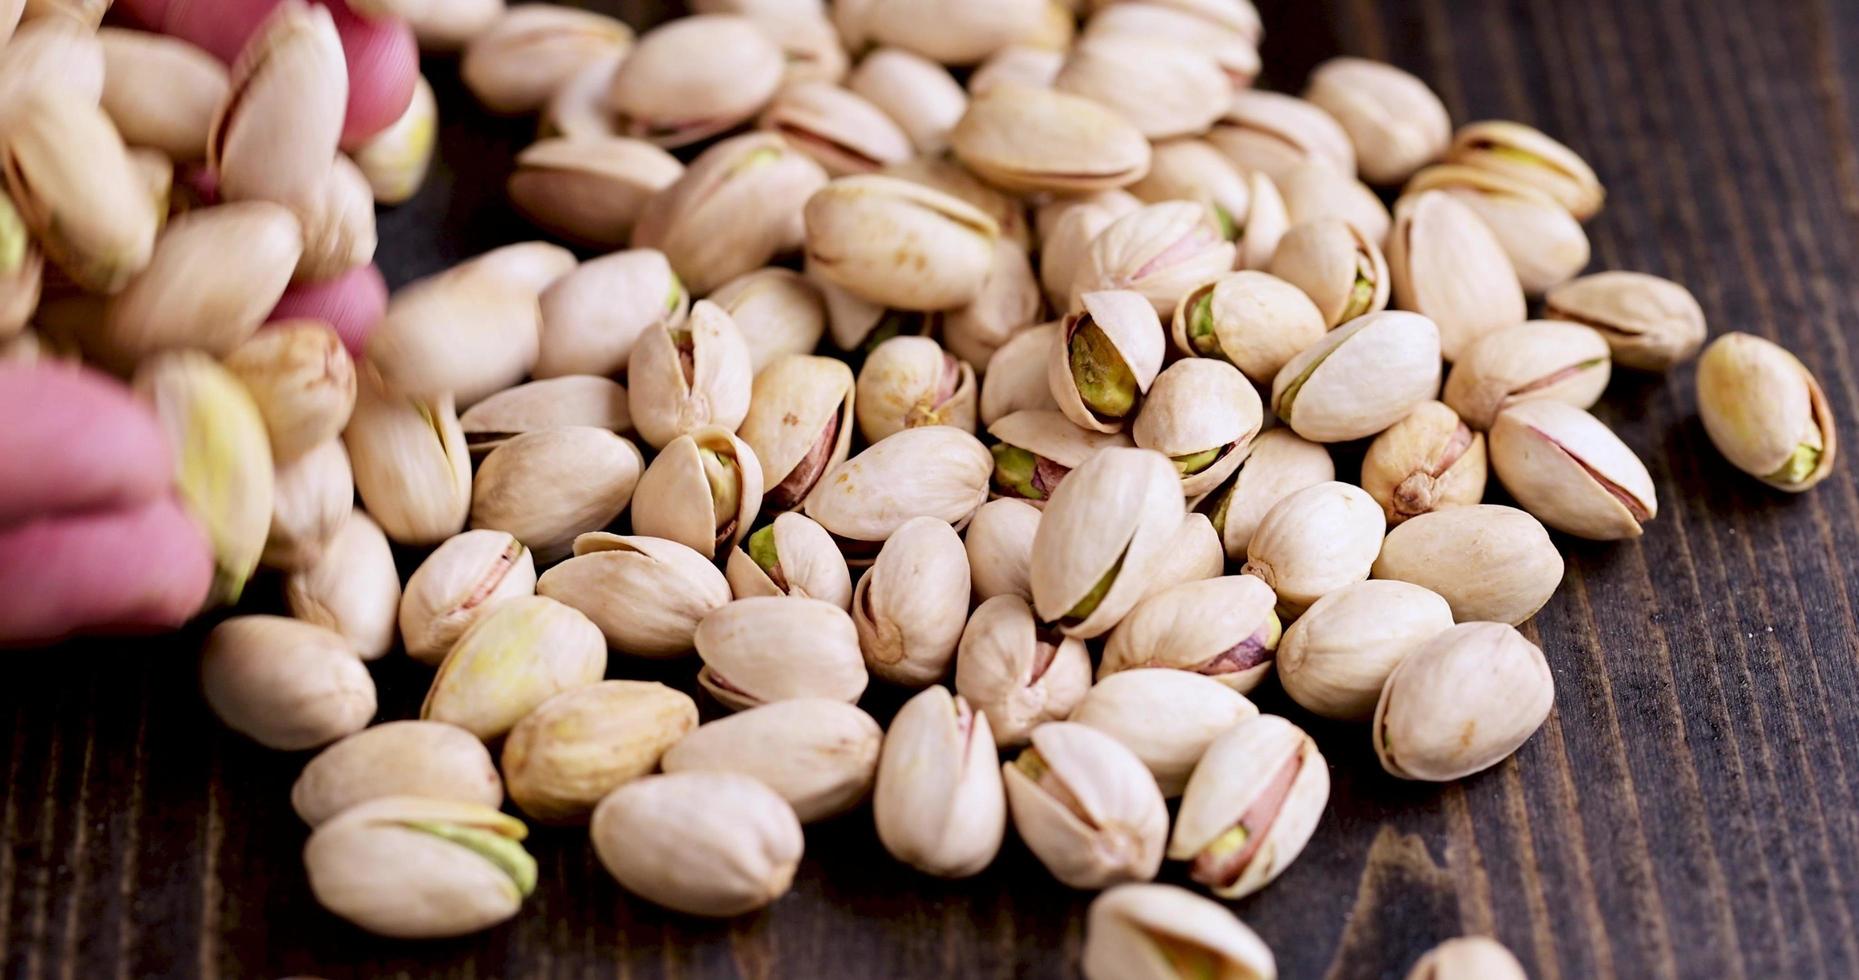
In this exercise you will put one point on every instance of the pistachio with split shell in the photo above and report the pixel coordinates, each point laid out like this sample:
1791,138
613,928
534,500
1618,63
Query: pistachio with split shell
1337,657
276,132
1314,191
1545,243
161,91
777,311
1222,627
468,574
1462,703
1015,380
1162,251
1009,302
1037,448
470,331
1316,541
1489,562
593,317
838,128
1192,170
1250,806
303,382
646,595
702,490
49,54
819,755
573,399
352,589
1202,415
581,744
1107,524
947,175
1000,548
1523,153
1035,140
919,94
933,471
693,78
1194,554
412,469
682,377
898,243
1161,932
397,159
1162,88
799,424
1086,806
1105,358
464,861
1167,717
427,759
70,178
1341,271
908,382
590,189
1650,323
22,272
1016,64
792,556
550,485
856,324
1017,672
1266,224
1273,134
1447,264
1068,235
284,683
909,606
1765,412
1360,378
1394,120
774,648
955,32
578,107
516,655
1428,461
1466,958
1281,462
1234,51
703,843
532,49
1547,359
1254,321
311,498
938,801
1571,471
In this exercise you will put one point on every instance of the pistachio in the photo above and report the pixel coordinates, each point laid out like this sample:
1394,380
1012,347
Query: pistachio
444,27
1068,236
693,78
530,51
908,382
468,574
1569,470
1545,243
352,589
276,132
955,32
311,498
919,94
1649,322
1462,703
49,53
1195,553
1161,932
1106,357
427,759
574,399
1529,156
1162,251
791,556
593,317
590,189
777,311
548,486
396,159
1340,270
1234,50
1202,415
1548,359
799,424
1273,134
1016,64
1192,170
337,215
945,174
1221,627
1314,191
897,243
1033,140
703,843
1017,672
1765,412
286,684
1167,717
513,657
1164,89
161,91
1250,806
1086,806
70,178
468,331
1314,542
1009,303
683,377
22,273
1037,448
1465,958
858,325
1335,659
303,382
1489,562
1280,463
581,744
933,471
1252,320
528,266
1105,528
702,490
909,606
938,800
411,466
838,128
1015,379
578,108
767,649
819,755
1394,120
1360,378
647,595
1448,265
464,862
809,44
1428,461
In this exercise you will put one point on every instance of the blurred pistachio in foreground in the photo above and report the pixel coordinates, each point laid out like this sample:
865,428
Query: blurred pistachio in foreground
1161,932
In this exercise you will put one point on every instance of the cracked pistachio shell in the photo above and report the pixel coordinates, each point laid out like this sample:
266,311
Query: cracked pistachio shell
702,490
1105,358
1281,463
414,868
909,381
464,576
1086,806
683,377
1067,238
1650,323
427,759
1056,446
898,243
581,744
1468,958
397,159
1017,672
1462,703
284,683
532,49
1489,562
1765,412
1016,64
276,132
793,557
775,648
954,32
799,424
1395,122
590,189
1192,170
1273,134
513,657
1337,657
302,380
1202,415
938,801
1164,89
945,174
1009,302
909,607
550,485
819,755
923,99
353,588
1167,717
1550,359
161,91
593,317
1000,548
1523,153
1342,272
1360,378
715,844
1161,251
1035,140
1545,244
1254,321
1015,380
1315,541
71,179
1221,627
578,109
693,78
1194,553
412,469
1447,264
573,399
646,595
311,498
1315,191
933,471
777,311
1104,530
1428,461
469,332
1236,53
1571,471
49,54
1161,932
840,129
1251,805
738,206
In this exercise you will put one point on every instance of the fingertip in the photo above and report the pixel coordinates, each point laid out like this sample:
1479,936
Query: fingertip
352,303
384,62
145,568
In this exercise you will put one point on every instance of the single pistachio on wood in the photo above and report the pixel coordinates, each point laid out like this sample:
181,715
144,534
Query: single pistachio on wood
1546,359
515,65
70,178
1009,302
22,273
465,863
1252,320
1105,358
693,78
1161,932
1086,806
1037,448
590,189
412,469
548,486
593,317
284,683
397,159
1000,548
1545,243
1518,151
792,556
1162,251
1650,323
946,174
1316,541
685,376
1337,657
1167,717
1428,461
938,801
1016,64
1015,379
1273,134
1164,89
1281,462
1340,270
427,759
1462,703
1250,806
933,471
799,424
1236,53
1192,170
311,498
1765,412
578,107
1360,378
956,32
704,843
1448,265
1017,672
303,382
819,755
646,595
1105,528
910,605
1202,414
1034,140
573,399
1068,235
767,649
161,91
1571,471
1314,191
54,53
777,311
1394,120
352,589
920,95
1489,562
276,132
513,657
898,243
702,490
908,382
1221,627
464,576
1468,958
810,47
842,131
581,744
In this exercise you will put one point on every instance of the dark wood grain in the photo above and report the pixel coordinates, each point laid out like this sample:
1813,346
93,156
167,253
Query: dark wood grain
1688,811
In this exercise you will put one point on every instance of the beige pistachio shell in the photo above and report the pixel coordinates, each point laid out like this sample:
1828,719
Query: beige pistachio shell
311,498
646,595
1446,263
1252,320
842,131
1335,659
286,684
427,759
1316,541
1162,251
1545,243
1765,412
1086,806
1222,627
352,589
1529,156
799,424
1018,672
469,331
703,843
932,471
449,26
1104,358
1149,932
1428,461
49,53
946,174
1000,548
1468,957
1360,378
469,573
1016,64
574,399
590,189
683,377
1563,362
583,743
1056,446
302,380
1341,271
898,243
1033,140
1164,89
1068,241
777,311
919,95
1281,462
1394,120
412,469
161,91
1194,554
1167,717
802,561
1192,170
938,801
910,605
1315,191
397,159
908,382
532,49
550,485
593,317
1273,134
767,649
693,78
70,177
702,490
1106,526
1009,303
1266,224
1649,322
1015,379
820,755
516,655
1251,805
1462,703
276,132
1571,471
578,108
337,215
1197,406
1489,562
1234,51
531,266
810,46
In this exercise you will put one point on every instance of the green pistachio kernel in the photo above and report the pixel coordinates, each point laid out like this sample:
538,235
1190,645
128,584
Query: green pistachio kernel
1087,605
507,854
762,548
1201,334
1231,842
674,295
1229,229
1291,390
13,239
1221,503
1800,465
725,484
1187,960
1518,155
1105,381
1362,293
1032,764
1193,463
1013,469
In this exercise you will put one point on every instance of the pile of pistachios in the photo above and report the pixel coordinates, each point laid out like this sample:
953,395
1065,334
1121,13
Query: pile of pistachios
992,349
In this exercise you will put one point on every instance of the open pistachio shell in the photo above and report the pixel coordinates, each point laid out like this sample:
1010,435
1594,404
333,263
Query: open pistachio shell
1067,235
897,243
1315,541
590,189
777,310
1571,471
1161,932
799,423
647,595
1337,657
1315,191
1462,703
820,755
532,49
1250,806
938,802
1446,263
909,606
574,399
933,471
412,469
1266,224
1033,140
548,486
1489,562
578,109
766,649
1360,378
1341,271
311,498
1564,362
1222,627
702,490
469,573
1764,410
1167,717
1273,134
1533,158
1105,527
693,78
1649,322
303,381
1192,170
1162,251
908,382
468,332
593,317
948,175
1254,321
1086,806
683,377
1428,461
791,556
839,129
582,744
1545,243
1017,672
1281,462
1037,448
1202,414
1105,359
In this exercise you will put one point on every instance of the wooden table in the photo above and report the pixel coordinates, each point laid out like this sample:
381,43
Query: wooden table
1688,811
